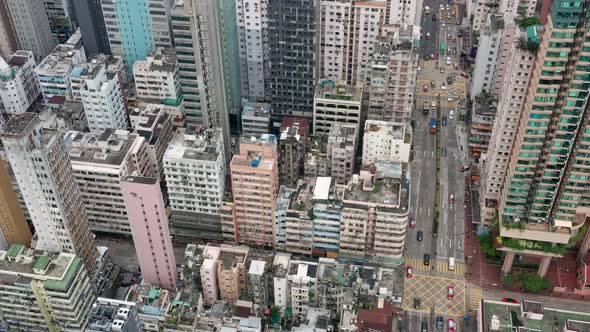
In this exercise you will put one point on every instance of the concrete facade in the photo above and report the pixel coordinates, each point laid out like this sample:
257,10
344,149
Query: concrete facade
341,151
490,42
336,103
13,225
36,37
149,226
385,141
252,19
19,88
157,78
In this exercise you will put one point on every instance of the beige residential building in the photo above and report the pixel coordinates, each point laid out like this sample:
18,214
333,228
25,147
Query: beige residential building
511,97
231,272
374,216
341,151
336,103
13,226
44,291
157,78
255,184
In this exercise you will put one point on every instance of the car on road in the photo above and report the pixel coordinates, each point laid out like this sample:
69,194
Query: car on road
426,10
509,300
444,120
448,60
434,17
450,2
454,50
409,270
451,292
443,152
433,84
450,97
463,169
449,79
432,56
440,324
424,326
419,69
451,325
443,24
426,259
443,86
420,236
412,222
426,57
465,75
425,88
442,70
417,303
452,197
428,35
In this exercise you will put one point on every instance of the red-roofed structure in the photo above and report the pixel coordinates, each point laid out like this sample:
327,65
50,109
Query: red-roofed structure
378,319
302,123
583,276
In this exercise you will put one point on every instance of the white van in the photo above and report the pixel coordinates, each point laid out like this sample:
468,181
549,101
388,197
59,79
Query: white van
451,263
448,60
451,112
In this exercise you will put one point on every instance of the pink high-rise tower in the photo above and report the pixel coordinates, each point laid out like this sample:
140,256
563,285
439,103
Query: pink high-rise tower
149,227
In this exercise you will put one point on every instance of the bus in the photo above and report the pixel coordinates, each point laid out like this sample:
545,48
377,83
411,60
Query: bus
433,126
426,10
443,48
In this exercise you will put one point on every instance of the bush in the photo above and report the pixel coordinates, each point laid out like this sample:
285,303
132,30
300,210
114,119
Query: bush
509,280
486,245
532,282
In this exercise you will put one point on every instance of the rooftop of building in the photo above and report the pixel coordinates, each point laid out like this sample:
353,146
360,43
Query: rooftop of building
230,256
158,59
148,117
94,65
329,89
150,300
20,124
396,130
251,112
385,184
185,307
19,58
302,198
284,198
257,268
255,159
378,319
316,319
109,315
195,144
341,274
107,147
140,180
61,58
302,269
9,69
344,134
22,265
302,124
280,264
394,39
508,317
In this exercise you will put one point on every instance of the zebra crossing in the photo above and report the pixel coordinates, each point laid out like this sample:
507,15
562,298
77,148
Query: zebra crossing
440,266
475,296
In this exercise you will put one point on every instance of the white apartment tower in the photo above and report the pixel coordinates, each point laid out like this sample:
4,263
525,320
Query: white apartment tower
253,43
18,84
103,99
511,100
402,12
157,77
385,141
348,33
195,169
44,176
100,160
31,26
490,40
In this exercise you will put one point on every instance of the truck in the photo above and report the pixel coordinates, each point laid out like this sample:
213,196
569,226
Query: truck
433,126
426,107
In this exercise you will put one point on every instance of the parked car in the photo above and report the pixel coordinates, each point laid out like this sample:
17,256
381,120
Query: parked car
409,270
440,324
420,236
509,300
443,152
452,197
451,292
451,325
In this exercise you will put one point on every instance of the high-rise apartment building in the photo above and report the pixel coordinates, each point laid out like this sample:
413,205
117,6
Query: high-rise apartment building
511,99
348,31
13,225
87,70
31,26
53,73
7,36
510,9
490,42
336,103
100,160
294,56
157,77
206,37
149,226
255,184
155,125
44,291
292,141
402,12
192,65
255,121
542,201
386,141
19,88
341,151
252,19
392,76
44,175
301,280
135,27
196,160
103,99
90,19
61,18
231,272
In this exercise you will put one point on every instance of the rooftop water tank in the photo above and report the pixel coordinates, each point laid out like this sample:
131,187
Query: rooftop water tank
255,162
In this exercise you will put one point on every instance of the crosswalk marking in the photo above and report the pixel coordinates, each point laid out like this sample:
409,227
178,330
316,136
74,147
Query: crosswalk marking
417,264
442,266
475,296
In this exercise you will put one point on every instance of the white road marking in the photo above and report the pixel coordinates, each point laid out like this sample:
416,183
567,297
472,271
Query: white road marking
429,212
